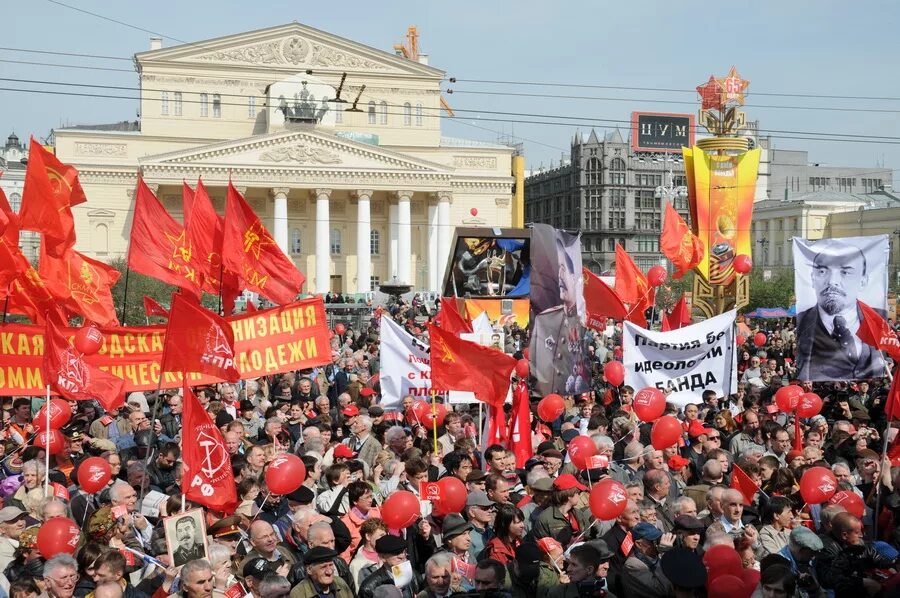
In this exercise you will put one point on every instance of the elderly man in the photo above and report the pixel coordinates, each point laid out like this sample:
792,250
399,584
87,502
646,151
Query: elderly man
320,577
803,545
713,512
61,576
121,494
397,440
12,523
197,579
656,493
730,522
642,575
395,570
438,577
365,446
320,535
108,589
265,545
827,345
749,436
627,472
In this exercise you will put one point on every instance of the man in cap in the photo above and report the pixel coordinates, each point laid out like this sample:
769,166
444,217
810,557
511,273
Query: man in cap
252,422
642,576
12,524
481,512
827,345
395,570
689,532
475,481
587,568
802,547
226,532
457,540
684,568
321,535
321,579
561,520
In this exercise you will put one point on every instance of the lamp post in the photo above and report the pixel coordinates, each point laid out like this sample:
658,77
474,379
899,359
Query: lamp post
670,192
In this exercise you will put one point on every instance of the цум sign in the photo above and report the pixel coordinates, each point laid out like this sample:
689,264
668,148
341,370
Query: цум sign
661,132
686,361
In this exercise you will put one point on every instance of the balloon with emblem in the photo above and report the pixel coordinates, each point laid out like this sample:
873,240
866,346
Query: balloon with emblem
614,372
817,485
60,414
581,449
608,499
665,432
89,339
551,407
649,404
400,510
59,535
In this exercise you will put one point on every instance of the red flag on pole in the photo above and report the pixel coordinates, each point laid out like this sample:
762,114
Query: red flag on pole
679,317
153,308
741,482
632,287
187,203
875,331
892,407
249,250
160,247
208,478
679,244
520,425
198,340
463,365
67,373
600,300
450,319
81,285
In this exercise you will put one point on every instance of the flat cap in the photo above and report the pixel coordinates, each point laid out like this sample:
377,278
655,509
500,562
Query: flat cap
319,554
478,499
390,545
256,568
688,523
806,538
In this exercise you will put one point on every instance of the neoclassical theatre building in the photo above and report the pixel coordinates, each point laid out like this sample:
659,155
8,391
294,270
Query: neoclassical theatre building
336,145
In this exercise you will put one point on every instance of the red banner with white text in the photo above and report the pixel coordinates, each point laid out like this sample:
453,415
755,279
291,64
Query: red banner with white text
285,338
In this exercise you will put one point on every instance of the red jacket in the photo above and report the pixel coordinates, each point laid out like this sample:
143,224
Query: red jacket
498,549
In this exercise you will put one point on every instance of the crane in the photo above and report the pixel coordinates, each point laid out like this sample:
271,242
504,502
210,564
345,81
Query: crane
410,51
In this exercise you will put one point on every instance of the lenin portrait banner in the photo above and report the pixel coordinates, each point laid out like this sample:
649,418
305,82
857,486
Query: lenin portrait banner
830,275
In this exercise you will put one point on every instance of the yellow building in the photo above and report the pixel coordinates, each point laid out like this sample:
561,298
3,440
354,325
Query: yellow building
354,197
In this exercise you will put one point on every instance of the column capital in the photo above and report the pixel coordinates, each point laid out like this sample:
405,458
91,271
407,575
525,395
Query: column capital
316,193
443,196
363,193
279,191
398,195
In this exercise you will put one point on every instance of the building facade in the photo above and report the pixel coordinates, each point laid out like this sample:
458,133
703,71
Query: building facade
13,159
613,195
337,146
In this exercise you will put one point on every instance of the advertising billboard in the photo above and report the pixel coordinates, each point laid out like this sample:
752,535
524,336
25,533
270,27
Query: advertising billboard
661,131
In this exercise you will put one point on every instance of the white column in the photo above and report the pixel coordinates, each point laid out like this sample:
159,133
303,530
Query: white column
404,237
445,233
363,242
323,241
280,220
433,279
393,240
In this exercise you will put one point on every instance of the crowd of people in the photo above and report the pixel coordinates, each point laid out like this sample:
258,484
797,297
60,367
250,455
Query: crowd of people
526,529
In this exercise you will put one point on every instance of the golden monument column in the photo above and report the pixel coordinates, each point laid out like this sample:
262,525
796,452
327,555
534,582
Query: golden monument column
721,177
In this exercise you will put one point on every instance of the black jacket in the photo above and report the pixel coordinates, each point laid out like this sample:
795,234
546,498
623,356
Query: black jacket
841,568
382,577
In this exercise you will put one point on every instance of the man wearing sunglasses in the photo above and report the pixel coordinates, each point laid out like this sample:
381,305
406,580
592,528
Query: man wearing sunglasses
481,512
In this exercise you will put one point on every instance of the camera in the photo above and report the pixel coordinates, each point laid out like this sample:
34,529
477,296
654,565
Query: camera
592,588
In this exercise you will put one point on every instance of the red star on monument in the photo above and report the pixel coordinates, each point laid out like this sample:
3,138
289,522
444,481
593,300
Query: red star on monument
710,94
733,87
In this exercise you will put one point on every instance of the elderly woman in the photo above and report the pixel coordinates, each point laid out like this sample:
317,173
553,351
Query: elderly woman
220,561
367,560
28,496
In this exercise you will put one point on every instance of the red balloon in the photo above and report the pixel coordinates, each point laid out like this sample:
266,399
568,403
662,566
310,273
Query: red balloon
723,556
60,414
750,577
608,499
89,339
742,263
580,450
400,510
340,329
649,404
759,339
657,275
614,372
665,432
473,211
284,474
810,404
725,586
741,340
52,441
817,485
418,412
58,535
526,353
551,407
453,496
94,474
439,413
522,369
850,501
788,397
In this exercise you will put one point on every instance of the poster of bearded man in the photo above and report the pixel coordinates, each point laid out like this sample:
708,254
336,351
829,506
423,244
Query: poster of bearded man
830,276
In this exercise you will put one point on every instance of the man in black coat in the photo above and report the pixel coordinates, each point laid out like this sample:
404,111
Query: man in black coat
396,570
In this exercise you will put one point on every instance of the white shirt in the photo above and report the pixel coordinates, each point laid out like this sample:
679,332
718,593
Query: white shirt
729,527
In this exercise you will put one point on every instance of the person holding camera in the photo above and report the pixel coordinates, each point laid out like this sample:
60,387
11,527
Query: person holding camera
843,564
587,567
642,576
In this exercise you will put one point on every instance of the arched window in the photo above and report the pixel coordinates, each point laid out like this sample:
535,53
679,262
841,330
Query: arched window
15,202
335,241
101,238
375,242
418,115
296,245
617,171
407,114
382,109
371,113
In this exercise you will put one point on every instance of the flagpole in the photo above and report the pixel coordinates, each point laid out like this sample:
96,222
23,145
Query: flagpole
434,420
156,408
124,296
47,447
884,441
6,303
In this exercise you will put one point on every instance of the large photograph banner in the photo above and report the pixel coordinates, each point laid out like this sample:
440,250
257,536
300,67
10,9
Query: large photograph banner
685,362
281,339
830,276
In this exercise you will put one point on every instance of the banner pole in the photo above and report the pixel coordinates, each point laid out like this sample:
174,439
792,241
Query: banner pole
47,447
884,450
480,426
434,420
6,302
124,295
153,438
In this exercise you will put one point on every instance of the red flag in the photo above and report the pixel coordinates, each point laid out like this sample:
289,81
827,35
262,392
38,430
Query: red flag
205,231
679,244
874,331
520,425
187,203
23,286
51,189
463,365
251,307
496,426
741,482
798,435
160,247
600,300
632,287
892,407
198,341
81,285
679,317
67,373
208,478
9,221
450,319
250,251
153,308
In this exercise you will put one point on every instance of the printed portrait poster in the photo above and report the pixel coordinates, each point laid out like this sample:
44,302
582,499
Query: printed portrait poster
186,537
830,276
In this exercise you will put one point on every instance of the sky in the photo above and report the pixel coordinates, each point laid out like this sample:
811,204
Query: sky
802,48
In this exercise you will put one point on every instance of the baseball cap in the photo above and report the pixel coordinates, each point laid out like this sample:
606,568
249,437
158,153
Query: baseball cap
366,392
8,514
677,463
696,429
646,531
478,499
350,411
256,568
806,538
342,450
567,481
